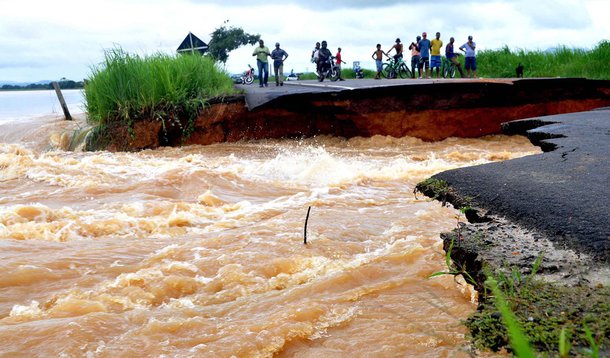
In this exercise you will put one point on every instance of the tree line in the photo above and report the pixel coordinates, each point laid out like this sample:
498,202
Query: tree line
63,84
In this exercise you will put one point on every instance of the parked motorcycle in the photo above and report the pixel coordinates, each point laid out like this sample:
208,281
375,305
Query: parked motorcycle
248,76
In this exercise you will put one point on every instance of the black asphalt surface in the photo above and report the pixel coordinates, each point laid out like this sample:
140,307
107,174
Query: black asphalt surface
563,193
257,96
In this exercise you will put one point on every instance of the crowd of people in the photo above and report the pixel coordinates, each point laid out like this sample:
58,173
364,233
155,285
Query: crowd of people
425,58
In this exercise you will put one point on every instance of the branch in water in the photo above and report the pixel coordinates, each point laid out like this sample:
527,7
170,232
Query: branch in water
305,229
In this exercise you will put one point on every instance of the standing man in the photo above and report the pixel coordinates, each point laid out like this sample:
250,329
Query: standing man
471,61
453,57
435,51
377,56
314,57
278,56
424,49
415,56
261,53
338,63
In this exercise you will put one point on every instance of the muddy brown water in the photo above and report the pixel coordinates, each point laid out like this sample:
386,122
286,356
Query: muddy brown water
198,251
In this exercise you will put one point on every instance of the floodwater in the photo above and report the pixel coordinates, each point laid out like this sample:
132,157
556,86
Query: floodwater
198,251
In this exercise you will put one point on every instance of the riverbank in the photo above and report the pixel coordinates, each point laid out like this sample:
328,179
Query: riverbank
431,110
552,206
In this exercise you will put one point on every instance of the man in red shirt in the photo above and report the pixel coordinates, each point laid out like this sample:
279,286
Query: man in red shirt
338,63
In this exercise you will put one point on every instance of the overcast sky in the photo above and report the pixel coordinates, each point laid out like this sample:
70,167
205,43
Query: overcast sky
47,40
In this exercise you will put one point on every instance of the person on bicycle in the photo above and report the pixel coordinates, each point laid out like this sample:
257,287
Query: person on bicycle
324,57
377,56
415,56
398,47
424,49
453,57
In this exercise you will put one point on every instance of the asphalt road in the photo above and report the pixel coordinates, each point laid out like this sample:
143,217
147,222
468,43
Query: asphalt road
564,193
257,96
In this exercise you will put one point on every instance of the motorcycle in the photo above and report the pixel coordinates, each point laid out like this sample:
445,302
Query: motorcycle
248,76
328,69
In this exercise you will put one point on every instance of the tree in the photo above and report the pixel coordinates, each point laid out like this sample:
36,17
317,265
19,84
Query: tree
226,39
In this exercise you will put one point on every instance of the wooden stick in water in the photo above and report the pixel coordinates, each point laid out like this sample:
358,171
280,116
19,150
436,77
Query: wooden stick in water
305,229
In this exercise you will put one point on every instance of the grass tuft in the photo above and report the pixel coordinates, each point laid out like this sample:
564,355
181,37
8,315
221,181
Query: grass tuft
127,88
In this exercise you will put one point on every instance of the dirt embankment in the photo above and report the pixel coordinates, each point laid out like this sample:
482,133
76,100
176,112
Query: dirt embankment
430,111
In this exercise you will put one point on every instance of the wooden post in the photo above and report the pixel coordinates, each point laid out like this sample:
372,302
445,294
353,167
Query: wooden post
60,96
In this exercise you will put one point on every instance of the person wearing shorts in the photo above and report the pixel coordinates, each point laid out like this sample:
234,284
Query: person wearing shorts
424,50
377,56
470,58
453,57
435,52
415,56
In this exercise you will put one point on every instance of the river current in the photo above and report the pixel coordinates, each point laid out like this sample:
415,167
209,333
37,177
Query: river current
198,251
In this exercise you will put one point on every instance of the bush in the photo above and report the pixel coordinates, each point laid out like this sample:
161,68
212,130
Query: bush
128,88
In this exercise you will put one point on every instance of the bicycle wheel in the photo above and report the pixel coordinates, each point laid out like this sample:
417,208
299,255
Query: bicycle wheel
404,71
385,70
452,71
445,70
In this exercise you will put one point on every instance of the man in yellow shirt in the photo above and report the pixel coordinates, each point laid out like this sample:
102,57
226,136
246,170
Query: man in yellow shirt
435,53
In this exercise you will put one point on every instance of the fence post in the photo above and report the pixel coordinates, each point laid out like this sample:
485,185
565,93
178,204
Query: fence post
60,96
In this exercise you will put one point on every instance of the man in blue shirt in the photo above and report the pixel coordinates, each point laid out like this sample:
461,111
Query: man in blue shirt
453,57
278,56
424,50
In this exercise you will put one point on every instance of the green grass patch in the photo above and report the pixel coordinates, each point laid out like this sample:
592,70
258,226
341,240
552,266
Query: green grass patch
553,318
561,62
127,88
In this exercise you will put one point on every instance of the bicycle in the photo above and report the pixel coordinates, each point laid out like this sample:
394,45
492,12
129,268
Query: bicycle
392,68
448,68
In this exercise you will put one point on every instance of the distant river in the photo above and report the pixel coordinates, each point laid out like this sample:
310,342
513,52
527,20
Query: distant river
28,104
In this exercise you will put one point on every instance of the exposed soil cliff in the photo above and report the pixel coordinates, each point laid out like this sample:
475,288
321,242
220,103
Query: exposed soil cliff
432,111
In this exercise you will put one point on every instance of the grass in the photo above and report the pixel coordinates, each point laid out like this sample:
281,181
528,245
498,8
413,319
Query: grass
501,63
172,89
529,316
561,62
346,73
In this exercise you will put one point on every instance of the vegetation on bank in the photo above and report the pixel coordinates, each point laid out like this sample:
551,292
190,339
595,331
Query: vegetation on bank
501,63
519,311
171,89
559,62
63,84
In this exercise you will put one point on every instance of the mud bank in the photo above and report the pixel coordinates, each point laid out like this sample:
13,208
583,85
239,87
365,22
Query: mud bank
429,110
554,205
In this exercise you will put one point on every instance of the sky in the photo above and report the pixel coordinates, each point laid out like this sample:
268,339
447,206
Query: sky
48,40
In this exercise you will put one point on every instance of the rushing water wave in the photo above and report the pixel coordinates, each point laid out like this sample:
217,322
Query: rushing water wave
198,251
